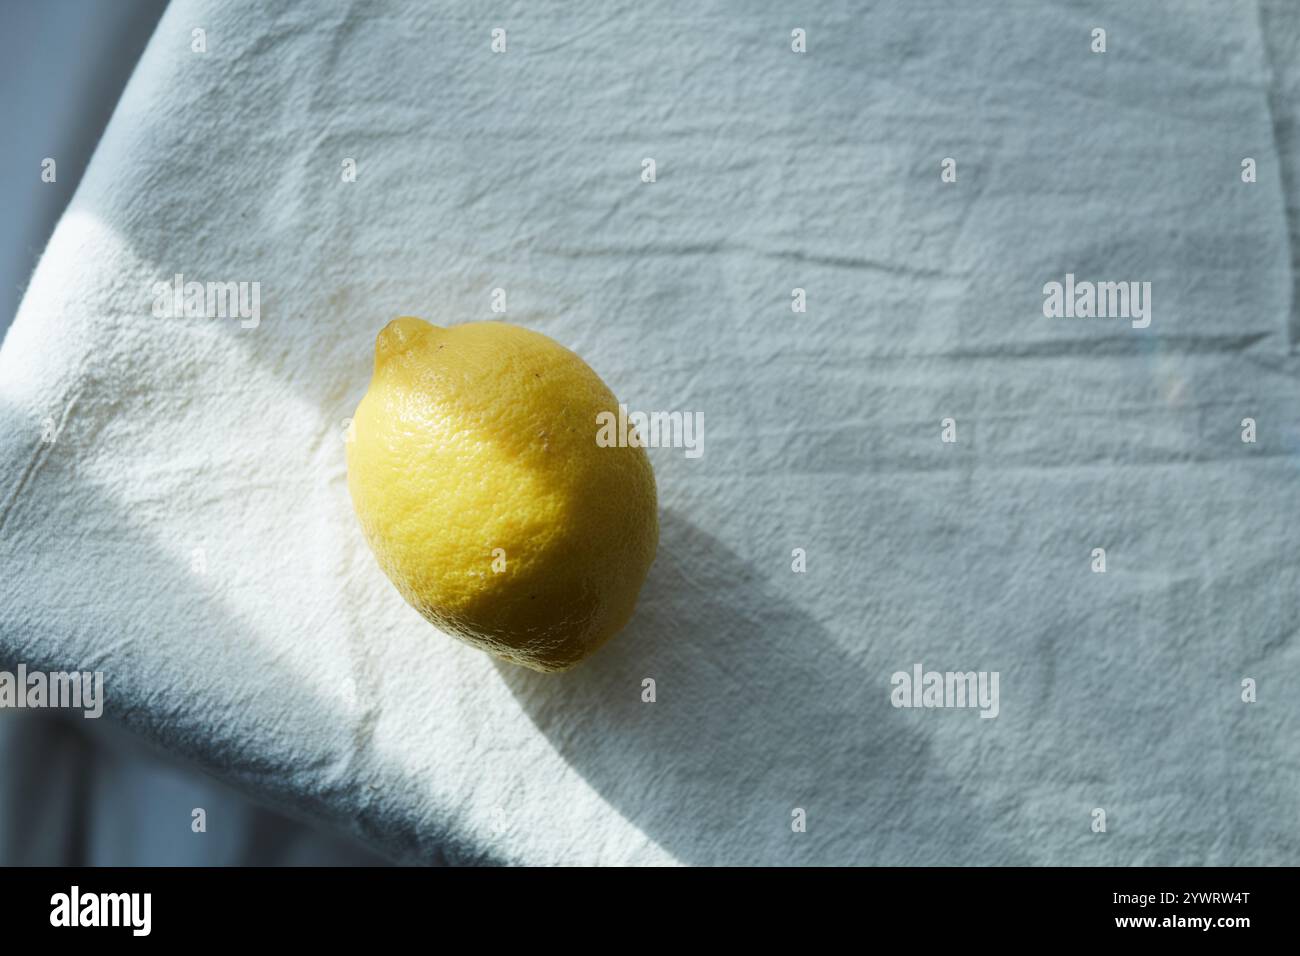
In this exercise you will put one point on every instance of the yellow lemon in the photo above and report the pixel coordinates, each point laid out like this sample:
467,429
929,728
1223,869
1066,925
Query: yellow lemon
474,469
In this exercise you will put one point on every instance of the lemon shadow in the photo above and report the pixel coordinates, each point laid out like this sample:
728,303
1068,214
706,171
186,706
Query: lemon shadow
757,712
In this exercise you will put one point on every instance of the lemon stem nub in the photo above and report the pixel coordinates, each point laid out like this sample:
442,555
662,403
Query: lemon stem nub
399,335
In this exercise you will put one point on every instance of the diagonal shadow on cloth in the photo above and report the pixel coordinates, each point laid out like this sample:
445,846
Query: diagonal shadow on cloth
758,711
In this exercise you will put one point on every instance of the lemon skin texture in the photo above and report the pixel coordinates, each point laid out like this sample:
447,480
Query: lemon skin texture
474,470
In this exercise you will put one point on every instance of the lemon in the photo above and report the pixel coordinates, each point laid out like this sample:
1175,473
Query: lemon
474,469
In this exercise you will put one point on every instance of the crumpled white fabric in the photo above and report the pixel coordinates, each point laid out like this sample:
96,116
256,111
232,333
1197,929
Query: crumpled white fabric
188,530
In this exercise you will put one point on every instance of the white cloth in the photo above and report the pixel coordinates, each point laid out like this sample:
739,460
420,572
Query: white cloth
188,530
